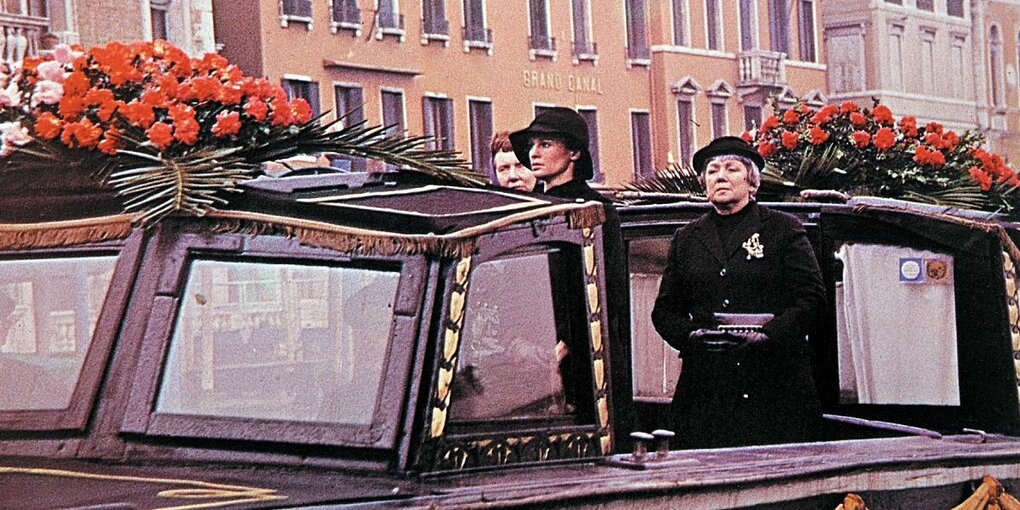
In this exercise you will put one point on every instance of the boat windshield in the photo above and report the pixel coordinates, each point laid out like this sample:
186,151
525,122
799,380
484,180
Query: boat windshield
273,341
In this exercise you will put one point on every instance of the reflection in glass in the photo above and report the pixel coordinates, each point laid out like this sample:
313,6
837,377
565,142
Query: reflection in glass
279,342
510,356
48,312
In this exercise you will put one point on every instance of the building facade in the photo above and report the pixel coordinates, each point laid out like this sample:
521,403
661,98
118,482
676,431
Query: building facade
33,27
949,61
652,78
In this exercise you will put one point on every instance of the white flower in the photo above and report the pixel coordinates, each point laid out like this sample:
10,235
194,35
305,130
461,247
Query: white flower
48,92
62,54
11,96
13,135
52,70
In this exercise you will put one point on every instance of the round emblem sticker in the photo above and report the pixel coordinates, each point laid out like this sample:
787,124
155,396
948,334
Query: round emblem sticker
909,270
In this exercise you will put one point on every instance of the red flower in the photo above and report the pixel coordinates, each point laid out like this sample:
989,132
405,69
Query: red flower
256,109
138,114
908,126
861,139
790,139
847,107
924,156
81,134
933,139
883,115
982,179
746,136
281,114
76,84
186,130
301,111
858,119
766,149
227,124
161,135
950,141
821,117
71,107
818,135
791,117
933,127
181,112
47,126
885,139
206,88
110,142
770,123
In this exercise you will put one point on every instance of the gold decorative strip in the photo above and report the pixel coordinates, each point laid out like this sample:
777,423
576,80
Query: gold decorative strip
231,494
57,234
1013,307
595,335
451,342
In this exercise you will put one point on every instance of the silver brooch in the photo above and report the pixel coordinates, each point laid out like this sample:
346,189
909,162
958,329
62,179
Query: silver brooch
754,247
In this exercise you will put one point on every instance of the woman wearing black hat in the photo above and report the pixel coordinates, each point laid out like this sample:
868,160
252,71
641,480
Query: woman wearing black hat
754,387
555,147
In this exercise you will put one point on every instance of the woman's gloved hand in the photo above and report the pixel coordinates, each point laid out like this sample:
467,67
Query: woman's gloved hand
713,340
748,338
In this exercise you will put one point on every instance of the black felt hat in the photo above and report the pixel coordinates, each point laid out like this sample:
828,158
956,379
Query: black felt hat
561,122
724,145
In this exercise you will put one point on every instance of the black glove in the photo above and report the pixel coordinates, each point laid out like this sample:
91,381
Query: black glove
713,340
749,338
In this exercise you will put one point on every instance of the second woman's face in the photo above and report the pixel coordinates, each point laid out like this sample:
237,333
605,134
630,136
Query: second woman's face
511,173
727,186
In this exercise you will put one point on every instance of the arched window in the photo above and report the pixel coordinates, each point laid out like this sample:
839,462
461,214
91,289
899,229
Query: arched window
995,74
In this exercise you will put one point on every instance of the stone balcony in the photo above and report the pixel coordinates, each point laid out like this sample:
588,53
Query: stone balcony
760,68
22,36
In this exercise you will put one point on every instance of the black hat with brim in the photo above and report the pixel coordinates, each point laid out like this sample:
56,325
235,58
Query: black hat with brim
726,145
561,123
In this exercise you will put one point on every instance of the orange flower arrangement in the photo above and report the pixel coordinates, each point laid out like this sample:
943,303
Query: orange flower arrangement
857,149
139,111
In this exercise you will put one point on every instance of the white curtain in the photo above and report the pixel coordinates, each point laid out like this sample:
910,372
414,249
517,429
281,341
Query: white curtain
896,326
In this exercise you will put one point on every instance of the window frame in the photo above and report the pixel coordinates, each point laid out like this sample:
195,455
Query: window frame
808,42
444,138
141,416
480,134
641,131
83,398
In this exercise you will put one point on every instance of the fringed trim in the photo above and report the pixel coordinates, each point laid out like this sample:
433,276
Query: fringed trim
361,241
588,217
58,234
385,245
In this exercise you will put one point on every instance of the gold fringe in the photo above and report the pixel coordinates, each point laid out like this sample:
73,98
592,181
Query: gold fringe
58,234
587,217
367,244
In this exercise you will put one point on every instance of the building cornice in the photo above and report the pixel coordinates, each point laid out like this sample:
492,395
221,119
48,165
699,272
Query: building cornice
368,68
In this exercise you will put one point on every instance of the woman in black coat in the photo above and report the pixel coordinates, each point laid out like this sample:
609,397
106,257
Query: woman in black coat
740,258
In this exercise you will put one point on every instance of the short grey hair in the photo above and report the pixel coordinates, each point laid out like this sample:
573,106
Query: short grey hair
753,172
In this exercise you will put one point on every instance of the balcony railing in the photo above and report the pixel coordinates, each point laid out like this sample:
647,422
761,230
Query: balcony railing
296,8
436,26
346,12
759,67
20,36
478,34
389,21
542,42
585,49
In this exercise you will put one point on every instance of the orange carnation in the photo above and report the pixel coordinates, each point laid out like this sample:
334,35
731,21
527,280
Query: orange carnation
256,109
858,119
186,130
790,139
818,135
227,124
301,111
47,126
790,117
882,115
161,135
766,149
861,139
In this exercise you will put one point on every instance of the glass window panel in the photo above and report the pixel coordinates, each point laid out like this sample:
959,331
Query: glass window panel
779,26
48,312
954,8
718,119
685,126
713,28
679,25
641,142
928,5
746,25
807,31
280,342
510,337
480,117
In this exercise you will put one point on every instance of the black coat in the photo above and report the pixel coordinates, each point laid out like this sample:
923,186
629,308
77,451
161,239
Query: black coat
617,308
758,394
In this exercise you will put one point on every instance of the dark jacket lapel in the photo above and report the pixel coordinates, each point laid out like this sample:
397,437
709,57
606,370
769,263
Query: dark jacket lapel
710,238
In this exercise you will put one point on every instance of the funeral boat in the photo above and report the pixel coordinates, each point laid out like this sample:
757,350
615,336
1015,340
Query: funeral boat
389,340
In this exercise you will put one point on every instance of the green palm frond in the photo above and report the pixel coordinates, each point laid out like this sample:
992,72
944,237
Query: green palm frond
154,185
961,195
675,179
